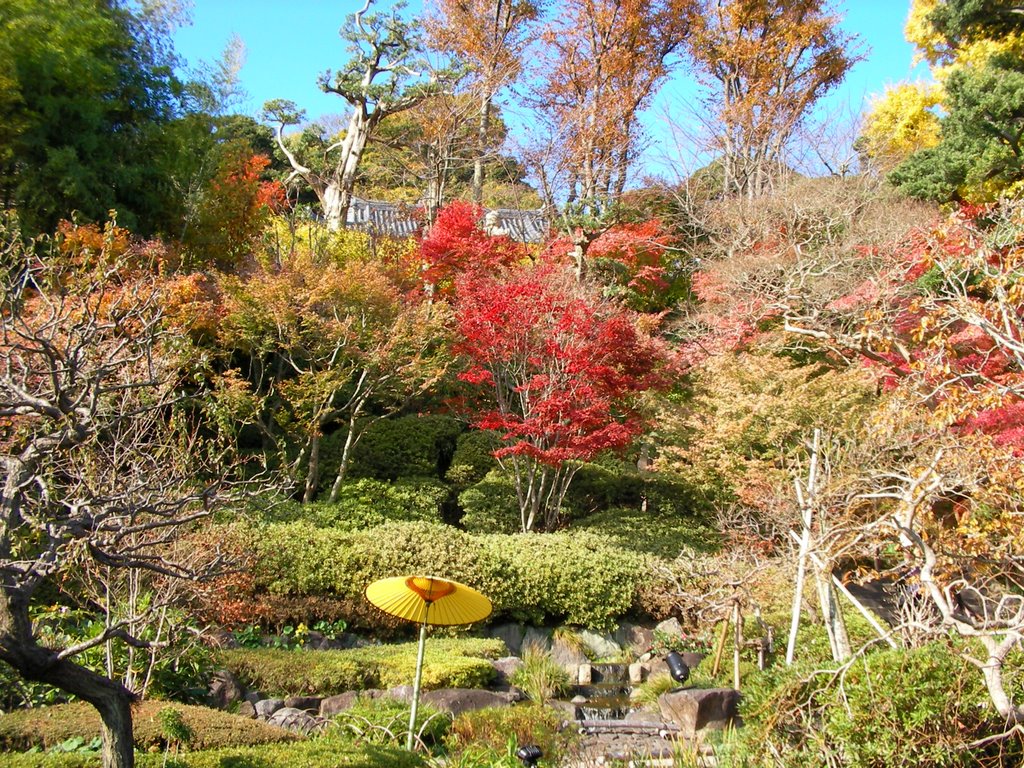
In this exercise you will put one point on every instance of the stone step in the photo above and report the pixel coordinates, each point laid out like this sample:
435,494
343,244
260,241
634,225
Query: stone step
664,730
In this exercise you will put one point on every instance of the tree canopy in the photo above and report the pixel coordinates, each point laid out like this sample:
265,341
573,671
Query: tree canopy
88,102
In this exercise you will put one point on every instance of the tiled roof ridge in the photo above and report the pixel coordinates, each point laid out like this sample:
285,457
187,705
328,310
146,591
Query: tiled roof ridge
393,219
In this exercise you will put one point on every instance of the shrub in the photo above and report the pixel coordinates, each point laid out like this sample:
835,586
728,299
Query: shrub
490,505
576,578
599,487
662,535
917,707
473,457
448,663
49,726
405,446
920,707
365,503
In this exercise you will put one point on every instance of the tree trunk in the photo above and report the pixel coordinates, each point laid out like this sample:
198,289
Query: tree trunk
335,204
481,148
116,731
33,662
313,476
359,129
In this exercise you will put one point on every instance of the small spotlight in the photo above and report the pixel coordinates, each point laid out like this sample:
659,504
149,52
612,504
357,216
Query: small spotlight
529,755
677,667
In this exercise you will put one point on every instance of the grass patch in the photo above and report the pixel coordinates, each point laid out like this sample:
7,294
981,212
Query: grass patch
482,738
47,727
315,753
448,663
385,721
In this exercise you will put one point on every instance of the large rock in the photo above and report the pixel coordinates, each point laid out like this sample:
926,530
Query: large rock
536,637
332,705
308,703
511,634
455,701
670,627
568,656
295,720
265,708
601,646
697,709
635,638
225,690
506,667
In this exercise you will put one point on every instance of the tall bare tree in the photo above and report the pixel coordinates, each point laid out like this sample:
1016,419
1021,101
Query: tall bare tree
604,60
386,75
768,62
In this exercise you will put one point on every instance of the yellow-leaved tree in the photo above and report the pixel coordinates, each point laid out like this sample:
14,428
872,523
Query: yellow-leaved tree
901,122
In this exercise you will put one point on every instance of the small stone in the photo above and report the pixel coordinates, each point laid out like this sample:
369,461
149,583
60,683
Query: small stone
636,673
585,674
246,709
267,707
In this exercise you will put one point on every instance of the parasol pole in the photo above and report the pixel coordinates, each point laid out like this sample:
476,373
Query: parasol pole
416,680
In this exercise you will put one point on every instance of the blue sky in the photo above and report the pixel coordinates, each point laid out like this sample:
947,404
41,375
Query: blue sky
289,42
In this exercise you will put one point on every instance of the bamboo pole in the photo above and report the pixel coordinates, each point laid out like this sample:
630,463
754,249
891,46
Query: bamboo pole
416,685
807,511
869,617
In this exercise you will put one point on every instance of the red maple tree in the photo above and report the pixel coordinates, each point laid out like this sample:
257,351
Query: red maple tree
561,370
457,243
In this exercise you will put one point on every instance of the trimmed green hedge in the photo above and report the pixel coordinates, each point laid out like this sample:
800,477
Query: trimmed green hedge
473,457
365,503
489,504
596,488
575,577
47,727
448,663
404,446
662,535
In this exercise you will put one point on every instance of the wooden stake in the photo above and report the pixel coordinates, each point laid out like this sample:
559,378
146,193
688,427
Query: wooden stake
738,643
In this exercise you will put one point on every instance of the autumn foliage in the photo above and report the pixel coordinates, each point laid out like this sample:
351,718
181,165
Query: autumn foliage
560,372
457,244
236,206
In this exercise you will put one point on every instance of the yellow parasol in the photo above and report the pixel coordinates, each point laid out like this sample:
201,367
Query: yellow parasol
427,600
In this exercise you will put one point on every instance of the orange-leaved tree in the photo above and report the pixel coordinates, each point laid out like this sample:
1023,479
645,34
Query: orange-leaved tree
768,61
488,37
